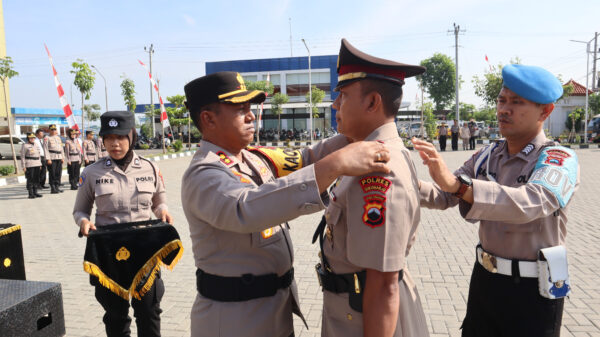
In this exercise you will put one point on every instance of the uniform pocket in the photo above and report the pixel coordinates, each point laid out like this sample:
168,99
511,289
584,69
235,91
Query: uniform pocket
106,197
145,191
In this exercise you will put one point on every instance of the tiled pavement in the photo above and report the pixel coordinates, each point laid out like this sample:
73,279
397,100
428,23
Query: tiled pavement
440,262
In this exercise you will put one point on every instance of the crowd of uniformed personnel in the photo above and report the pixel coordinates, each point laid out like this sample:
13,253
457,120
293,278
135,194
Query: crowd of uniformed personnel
46,153
237,200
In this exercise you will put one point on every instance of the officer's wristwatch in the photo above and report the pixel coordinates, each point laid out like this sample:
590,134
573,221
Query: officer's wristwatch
465,182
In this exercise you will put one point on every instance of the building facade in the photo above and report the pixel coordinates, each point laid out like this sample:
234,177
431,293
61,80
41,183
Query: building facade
555,124
30,119
290,76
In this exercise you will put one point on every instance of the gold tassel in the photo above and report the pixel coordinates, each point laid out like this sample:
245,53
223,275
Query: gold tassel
10,230
105,281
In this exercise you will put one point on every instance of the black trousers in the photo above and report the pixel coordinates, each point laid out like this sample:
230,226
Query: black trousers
74,170
32,174
443,143
42,178
508,306
454,141
472,143
146,311
54,172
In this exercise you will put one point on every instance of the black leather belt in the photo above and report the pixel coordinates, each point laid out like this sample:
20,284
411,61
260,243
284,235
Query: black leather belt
32,158
91,153
52,151
244,288
74,154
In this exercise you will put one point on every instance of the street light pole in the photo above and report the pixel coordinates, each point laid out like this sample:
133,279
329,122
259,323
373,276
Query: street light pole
105,90
309,93
150,52
587,77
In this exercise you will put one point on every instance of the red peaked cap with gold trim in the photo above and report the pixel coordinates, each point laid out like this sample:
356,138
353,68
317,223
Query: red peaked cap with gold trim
220,87
354,65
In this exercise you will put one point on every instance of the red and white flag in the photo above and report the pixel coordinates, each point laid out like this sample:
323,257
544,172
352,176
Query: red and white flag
164,119
61,96
488,62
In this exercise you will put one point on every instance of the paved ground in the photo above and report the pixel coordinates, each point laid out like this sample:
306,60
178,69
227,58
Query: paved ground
440,262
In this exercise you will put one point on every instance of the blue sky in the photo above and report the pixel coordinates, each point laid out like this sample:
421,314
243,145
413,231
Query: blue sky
185,33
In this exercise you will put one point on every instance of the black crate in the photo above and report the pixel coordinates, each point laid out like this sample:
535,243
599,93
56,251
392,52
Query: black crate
12,262
32,309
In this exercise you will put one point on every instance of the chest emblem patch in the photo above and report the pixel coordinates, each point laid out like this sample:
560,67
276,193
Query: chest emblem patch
122,254
374,214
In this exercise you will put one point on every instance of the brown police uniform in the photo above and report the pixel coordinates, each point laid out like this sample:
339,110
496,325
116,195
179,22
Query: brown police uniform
30,162
371,223
90,152
517,218
53,148
100,148
442,135
236,211
73,154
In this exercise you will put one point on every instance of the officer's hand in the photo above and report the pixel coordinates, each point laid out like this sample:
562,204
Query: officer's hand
363,157
87,161
86,226
438,170
62,160
49,162
24,169
166,217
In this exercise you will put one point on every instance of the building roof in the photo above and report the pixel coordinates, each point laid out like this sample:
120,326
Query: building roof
578,89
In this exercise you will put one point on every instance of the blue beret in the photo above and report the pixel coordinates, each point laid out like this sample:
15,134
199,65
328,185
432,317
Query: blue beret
533,83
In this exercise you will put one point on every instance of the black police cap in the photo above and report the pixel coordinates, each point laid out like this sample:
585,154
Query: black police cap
221,87
116,123
354,65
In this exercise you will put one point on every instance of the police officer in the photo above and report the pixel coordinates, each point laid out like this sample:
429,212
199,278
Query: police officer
519,190
30,161
371,221
125,188
53,148
73,154
100,148
442,134
90,153
39,142
237,210
454,132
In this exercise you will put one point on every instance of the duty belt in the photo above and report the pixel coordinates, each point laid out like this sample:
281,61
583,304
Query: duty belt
32,158
91,153
74,153
57,152
244,288
498,265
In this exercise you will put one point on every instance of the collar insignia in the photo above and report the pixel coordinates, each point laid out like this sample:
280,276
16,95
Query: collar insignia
527,149
224,158
108,162
137,161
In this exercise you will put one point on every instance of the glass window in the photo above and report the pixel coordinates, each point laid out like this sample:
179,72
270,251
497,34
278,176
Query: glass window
250,78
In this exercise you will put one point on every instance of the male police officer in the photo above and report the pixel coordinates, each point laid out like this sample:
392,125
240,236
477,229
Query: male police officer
372,219
519,189
39,142
90,155
237,210
53,148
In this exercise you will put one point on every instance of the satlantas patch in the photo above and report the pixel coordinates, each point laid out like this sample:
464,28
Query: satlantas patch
375,184
374,215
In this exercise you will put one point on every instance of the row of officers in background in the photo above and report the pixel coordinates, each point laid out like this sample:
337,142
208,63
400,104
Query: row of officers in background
43,153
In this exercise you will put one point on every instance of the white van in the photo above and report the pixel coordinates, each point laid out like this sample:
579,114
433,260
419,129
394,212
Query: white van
5,151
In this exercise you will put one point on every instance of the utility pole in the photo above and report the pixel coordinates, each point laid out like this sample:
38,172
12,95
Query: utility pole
310,112
456,31
291,51
150,51
594,83
162,126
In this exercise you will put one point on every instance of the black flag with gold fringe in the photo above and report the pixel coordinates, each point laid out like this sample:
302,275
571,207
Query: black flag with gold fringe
12,263
126,257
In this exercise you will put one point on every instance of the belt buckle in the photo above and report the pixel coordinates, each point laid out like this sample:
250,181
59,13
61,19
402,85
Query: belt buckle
488,261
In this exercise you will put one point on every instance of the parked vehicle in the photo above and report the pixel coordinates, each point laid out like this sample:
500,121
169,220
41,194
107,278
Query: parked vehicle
5,150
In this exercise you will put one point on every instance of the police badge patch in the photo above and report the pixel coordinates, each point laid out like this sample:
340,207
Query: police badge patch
374,215
81,180
375,184
113,123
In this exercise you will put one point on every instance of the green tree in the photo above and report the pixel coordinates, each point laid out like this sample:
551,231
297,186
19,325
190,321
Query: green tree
7,72
594,104
428,119
177,114
92,111
466,111
260,85
276,102
150,112
84,81
439,79
128,92
573,121
486,114
490,85
317,97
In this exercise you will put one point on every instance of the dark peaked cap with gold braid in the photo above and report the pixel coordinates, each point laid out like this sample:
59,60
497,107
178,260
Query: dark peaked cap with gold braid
222,87
354,65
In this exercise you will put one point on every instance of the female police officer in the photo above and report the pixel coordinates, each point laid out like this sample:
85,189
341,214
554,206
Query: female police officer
125,188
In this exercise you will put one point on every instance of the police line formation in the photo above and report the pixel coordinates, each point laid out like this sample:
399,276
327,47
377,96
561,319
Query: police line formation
237,200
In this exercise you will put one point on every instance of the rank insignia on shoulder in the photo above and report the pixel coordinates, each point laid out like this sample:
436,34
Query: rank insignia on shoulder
375,184
284,161
374,215
224,158
528,148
